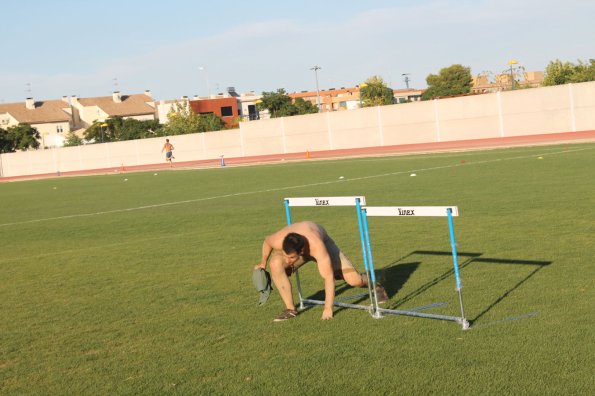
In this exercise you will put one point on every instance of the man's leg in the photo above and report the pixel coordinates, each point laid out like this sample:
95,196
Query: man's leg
355,279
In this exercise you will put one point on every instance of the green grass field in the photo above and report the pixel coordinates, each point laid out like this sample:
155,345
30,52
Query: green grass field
144,286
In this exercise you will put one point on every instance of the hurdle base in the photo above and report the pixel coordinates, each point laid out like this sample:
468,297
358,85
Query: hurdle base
368,308
462,321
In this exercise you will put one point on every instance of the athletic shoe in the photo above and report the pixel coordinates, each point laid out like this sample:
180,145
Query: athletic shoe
381,294
285,315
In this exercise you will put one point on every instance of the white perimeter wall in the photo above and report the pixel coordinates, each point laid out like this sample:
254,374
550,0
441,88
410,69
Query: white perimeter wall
565,108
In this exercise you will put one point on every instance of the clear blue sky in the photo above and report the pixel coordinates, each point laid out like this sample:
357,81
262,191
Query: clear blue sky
79,47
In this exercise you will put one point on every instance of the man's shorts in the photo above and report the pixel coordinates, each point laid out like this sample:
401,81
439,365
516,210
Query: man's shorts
168,154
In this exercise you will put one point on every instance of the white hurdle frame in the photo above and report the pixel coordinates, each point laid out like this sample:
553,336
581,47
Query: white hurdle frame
358,202
415,211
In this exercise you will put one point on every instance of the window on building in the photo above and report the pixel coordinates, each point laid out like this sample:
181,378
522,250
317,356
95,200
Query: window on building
226,111
59,128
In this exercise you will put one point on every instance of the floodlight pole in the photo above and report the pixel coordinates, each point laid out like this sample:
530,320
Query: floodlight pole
316,68
202,68
406,79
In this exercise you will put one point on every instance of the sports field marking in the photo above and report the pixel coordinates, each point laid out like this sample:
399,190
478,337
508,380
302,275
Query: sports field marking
240,194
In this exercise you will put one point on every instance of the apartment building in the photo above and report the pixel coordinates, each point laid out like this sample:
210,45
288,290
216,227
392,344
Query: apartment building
486,83
349,98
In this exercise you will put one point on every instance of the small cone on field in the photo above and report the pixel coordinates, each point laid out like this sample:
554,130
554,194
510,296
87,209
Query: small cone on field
307,154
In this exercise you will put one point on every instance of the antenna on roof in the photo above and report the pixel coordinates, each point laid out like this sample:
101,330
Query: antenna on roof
115,80
28,90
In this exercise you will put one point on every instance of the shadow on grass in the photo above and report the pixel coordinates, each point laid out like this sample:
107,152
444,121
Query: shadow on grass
540,265
468,258
395,275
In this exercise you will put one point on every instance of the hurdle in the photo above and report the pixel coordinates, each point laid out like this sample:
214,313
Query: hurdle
416,211
358,202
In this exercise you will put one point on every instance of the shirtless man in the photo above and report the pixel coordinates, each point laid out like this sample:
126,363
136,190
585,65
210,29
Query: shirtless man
168,148
291,247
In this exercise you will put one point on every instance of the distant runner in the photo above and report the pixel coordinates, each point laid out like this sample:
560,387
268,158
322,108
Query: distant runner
168,148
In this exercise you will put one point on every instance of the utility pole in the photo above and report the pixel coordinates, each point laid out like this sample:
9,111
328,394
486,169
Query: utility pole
316,68
406,79
203,68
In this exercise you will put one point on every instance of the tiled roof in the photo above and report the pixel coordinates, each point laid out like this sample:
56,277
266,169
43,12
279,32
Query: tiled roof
130,105
44,112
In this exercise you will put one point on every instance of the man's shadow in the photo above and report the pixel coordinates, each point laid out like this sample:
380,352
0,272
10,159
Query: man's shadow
392,278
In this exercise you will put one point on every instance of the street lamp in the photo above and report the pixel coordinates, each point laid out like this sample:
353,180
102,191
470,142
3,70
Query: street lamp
361,86
206,79
511,63
406,79
316,68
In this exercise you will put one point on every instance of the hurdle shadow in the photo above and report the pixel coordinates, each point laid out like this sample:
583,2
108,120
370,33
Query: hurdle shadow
540,265
470,258
395,275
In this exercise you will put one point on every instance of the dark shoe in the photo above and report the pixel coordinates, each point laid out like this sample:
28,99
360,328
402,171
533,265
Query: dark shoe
285,315
381,294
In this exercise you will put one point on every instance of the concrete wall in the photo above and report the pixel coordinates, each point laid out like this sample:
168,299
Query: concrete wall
565,108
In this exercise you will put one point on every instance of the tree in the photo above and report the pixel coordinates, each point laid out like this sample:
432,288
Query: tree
452,80
375,92
18,137
72,140
101,132
558,72
130,129
279,104
209,123
117,129
5,145
182,120
304,106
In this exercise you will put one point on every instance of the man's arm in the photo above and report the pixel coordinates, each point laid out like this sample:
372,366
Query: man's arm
266,252
325,269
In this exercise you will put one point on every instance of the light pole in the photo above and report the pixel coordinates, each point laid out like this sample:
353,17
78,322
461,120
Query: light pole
316,68
512,62
206,79
406,79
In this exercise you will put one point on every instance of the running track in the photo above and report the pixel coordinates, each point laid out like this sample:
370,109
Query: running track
459,145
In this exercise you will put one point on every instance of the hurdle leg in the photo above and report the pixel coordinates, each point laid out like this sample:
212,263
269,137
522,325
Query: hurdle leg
364,251
453,245
372,279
